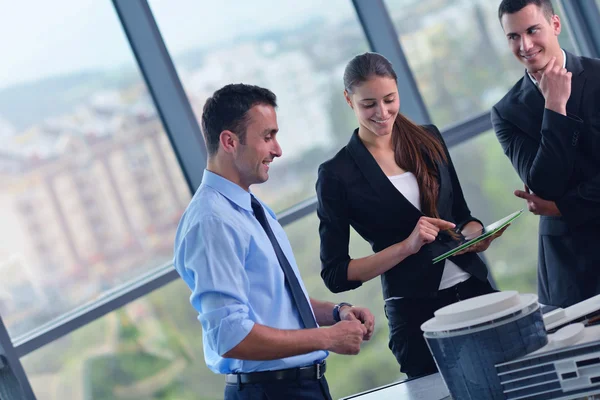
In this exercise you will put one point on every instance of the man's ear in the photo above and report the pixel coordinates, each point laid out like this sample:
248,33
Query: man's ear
348,100
556,24
228,141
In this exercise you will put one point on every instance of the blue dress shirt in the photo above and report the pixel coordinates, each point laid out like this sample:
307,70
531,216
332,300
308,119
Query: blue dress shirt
225,257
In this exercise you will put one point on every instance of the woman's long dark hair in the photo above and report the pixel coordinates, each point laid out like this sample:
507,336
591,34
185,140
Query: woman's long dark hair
415,149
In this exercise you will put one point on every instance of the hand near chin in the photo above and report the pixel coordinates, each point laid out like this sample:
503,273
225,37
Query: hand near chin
555,85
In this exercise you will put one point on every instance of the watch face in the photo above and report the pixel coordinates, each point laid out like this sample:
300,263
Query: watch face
336,310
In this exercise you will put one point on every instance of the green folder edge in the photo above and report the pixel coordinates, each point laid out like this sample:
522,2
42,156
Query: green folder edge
502,223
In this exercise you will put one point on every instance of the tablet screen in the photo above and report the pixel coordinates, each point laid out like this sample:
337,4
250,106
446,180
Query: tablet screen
467,241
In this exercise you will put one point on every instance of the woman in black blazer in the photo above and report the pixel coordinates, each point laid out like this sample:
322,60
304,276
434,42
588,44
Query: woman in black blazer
395,184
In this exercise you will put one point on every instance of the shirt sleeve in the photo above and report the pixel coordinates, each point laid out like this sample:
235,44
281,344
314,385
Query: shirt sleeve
211,259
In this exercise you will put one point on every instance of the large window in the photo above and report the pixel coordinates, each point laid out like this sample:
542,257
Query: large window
91,191
458,54
296,49
488,181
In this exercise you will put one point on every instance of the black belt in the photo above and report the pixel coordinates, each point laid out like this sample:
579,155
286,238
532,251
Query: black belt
457,289
452,291
311,372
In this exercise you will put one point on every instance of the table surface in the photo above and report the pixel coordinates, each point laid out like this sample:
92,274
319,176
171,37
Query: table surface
430,387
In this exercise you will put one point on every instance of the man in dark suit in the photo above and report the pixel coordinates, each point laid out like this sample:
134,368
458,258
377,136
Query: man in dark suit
549,127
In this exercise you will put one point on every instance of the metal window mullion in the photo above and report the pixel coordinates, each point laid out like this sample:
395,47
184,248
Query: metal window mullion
14,384
584,25
80,317
383,39
167,91
467,129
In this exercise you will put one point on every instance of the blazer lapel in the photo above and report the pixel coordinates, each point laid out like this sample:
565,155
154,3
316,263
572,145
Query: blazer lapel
577,84
378,181
530,105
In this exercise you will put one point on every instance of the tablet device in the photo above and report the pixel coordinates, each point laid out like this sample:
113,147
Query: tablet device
464,242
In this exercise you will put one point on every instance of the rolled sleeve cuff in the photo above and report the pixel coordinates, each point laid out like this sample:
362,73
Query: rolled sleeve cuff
336,277
226,327
231,333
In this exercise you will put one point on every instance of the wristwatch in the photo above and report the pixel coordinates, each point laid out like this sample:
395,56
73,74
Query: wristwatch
336,310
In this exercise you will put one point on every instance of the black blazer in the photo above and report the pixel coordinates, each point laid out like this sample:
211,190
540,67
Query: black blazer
352,190
558,157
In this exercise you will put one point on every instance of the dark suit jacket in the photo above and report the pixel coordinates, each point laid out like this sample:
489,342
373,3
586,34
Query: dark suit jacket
353,191
558,157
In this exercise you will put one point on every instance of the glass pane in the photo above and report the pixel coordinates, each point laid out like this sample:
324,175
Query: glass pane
488,181
458,54
152,348
149,349
296,49
91,190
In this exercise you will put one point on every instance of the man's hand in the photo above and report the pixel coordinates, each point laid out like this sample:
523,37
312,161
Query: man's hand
362,314
538,206
345,337
555,84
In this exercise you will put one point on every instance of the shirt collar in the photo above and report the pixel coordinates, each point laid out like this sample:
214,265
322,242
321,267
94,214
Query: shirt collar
535,82
228,189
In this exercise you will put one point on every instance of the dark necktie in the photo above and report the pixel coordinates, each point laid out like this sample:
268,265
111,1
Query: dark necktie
290,277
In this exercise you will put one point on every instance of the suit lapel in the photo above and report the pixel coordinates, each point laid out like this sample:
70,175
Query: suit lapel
378,181
531,108
577,84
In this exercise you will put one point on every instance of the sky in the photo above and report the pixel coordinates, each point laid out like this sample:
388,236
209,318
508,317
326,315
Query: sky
41,39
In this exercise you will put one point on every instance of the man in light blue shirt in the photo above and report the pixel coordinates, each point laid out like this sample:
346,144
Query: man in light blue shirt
259,325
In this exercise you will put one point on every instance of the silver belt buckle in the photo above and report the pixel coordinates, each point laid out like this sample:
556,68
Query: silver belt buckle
319,370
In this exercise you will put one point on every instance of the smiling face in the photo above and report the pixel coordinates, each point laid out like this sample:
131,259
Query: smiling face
532,38
253,157
375,103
